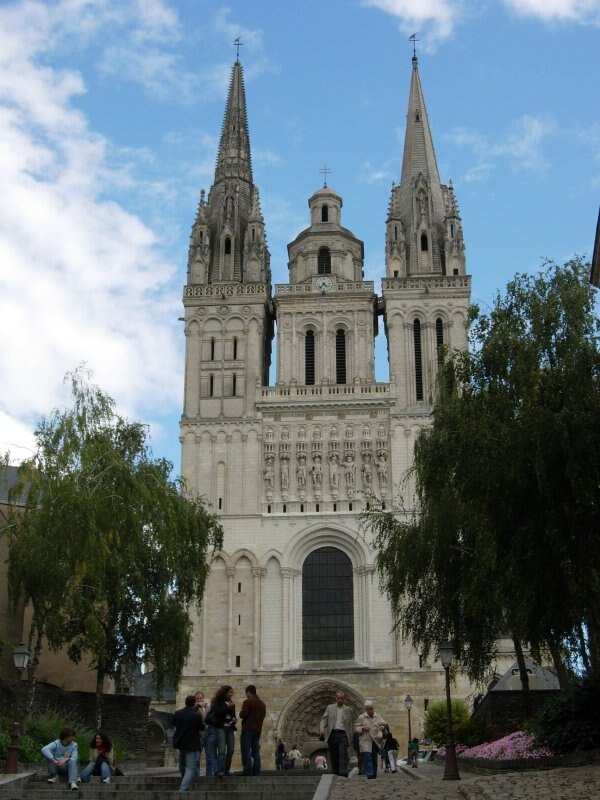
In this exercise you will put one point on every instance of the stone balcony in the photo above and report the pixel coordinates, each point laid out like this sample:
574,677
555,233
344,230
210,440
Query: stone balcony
326,394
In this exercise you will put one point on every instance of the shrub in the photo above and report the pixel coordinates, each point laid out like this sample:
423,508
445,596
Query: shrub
515,745
570,721
434,726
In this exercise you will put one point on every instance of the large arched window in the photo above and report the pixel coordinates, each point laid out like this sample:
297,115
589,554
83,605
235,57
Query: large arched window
324,261
327,606
340,356
309,358
418,359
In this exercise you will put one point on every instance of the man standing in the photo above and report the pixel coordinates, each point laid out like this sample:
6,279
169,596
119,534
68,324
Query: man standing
252,714
188,725
336,730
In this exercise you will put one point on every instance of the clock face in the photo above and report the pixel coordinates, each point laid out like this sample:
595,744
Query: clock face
323,284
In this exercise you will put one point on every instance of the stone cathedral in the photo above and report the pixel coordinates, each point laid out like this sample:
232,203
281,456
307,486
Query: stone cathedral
292,602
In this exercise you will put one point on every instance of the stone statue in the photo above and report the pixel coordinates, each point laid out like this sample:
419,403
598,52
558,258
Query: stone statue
285,474
382,469
334,471
301,472
316,472
269,474
367,472
349,470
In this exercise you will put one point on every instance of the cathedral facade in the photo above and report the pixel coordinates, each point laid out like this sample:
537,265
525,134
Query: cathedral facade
292,602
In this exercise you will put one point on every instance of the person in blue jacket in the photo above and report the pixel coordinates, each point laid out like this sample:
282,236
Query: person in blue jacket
61,757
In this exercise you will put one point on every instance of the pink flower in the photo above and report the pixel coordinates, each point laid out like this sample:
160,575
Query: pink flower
516,745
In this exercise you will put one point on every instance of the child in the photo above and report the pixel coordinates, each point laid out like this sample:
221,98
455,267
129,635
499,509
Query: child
61,757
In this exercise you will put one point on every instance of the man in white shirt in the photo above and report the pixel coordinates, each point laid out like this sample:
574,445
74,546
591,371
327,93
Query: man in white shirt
336,730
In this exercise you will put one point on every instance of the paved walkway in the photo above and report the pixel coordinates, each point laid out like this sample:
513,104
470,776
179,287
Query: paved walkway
574,783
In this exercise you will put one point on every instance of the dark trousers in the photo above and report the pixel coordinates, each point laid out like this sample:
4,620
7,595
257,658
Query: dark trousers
338,752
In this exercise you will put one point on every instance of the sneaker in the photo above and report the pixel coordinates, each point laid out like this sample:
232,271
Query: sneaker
105,780
52,779
74,786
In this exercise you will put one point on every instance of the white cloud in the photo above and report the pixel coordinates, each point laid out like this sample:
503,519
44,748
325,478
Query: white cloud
578,11
433,20
81,278
522,147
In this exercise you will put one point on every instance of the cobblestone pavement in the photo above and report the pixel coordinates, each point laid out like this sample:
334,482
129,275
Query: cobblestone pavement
574,783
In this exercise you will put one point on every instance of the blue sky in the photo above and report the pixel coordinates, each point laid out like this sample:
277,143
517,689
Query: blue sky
110,113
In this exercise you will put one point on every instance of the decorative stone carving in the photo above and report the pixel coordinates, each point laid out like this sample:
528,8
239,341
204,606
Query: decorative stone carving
269,475
349,473
367,472
334,471
316,472
301,472
382,470
285,475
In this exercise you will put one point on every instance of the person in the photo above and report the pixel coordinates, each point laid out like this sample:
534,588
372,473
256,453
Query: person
229,728
294,754
215,742
413,752
201,706
336,730
392,747
102,759
370,727
321,762
279,754
359,755
188,725
252,714
61,757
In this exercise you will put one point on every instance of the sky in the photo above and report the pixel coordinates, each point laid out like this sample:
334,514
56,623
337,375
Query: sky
110,115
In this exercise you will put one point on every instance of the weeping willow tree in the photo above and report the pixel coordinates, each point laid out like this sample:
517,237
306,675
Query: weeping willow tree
110,552
506,533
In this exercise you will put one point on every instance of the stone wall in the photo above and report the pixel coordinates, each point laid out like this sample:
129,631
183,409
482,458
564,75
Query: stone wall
507,709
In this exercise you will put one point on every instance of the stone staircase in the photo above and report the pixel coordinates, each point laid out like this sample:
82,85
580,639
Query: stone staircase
284,785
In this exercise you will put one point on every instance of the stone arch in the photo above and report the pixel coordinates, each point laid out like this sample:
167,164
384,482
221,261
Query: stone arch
244,553
307,540
299,720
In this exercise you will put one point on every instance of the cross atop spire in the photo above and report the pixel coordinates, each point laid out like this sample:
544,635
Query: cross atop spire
325,172
237,44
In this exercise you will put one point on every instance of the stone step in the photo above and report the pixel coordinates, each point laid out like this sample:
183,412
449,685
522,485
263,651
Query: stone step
274,786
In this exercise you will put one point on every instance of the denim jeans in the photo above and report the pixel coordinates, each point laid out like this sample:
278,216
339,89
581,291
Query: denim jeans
92,768
370,762
186,768
214,744
69,769
250,747
229,747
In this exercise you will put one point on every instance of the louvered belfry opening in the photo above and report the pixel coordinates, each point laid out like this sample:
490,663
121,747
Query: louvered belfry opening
418,359
324,261
340,356
309,358
439,336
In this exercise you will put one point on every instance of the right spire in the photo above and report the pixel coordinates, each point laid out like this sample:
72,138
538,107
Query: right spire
424,232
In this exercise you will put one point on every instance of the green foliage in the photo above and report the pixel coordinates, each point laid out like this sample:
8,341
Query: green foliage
570,721
37,730
109,550
434,724
506,532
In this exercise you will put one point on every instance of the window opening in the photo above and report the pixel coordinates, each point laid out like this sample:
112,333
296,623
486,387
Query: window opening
309,358
424,243
439,336
239,588
212,349
235,345
327,606
211,385
238,661
324,214
228,246
418,359
234,385
324,261
340,356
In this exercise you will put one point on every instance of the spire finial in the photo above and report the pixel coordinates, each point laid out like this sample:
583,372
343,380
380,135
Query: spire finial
414,40
325,170
237,44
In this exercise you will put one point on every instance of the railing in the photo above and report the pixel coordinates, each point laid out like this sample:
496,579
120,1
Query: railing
323,391
429,282
340,288
224,289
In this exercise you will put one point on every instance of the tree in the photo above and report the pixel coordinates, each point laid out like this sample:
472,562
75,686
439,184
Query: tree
506,533
110,551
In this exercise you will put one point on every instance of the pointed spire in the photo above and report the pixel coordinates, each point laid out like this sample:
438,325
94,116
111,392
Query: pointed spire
234,159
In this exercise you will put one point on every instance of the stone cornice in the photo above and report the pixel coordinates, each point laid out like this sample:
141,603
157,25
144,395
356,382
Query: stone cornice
427,282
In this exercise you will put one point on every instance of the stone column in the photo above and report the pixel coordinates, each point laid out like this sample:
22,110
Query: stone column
258,573
230,576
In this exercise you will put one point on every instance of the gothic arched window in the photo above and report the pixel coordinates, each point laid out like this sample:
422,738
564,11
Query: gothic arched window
228,246
309,358
324,213
418,359
340,356
327,606
424,242
324,261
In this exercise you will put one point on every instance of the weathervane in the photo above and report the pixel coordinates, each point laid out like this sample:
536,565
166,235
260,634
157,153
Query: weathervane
325,170
414,40
238,44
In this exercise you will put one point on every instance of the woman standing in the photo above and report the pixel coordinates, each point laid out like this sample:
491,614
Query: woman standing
102,759
214,740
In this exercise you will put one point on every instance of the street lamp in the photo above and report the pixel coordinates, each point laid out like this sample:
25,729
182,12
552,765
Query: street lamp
408,701
21,660
450,764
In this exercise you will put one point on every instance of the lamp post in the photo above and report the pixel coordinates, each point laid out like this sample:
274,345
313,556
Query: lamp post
408,701
450,764
21,659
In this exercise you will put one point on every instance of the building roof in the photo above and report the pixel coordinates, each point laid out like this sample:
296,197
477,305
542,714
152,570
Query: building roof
540,679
